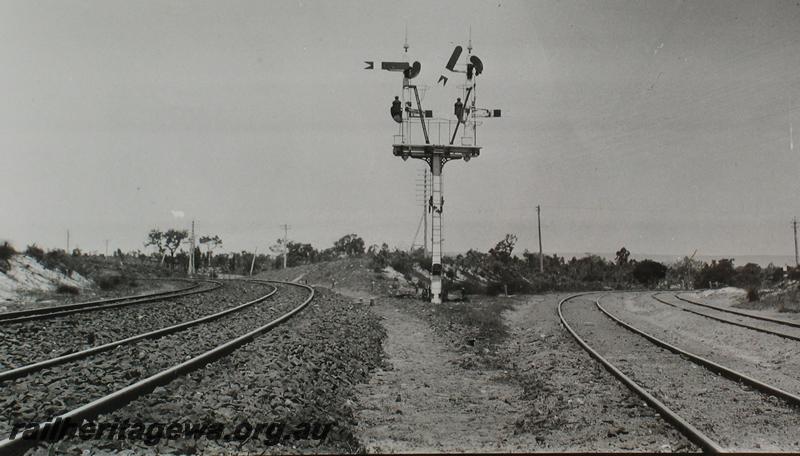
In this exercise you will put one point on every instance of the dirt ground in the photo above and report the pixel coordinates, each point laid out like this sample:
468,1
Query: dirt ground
425,402
537,392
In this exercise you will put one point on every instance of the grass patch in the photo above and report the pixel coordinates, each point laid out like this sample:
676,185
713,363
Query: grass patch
483,317
782,301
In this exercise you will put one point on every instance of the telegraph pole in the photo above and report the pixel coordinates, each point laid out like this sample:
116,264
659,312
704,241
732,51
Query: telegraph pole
106,248
253,263
539,225
67,241
285,244
191,252
794,226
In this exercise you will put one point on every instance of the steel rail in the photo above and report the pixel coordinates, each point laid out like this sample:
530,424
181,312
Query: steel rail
18,445
734,323
60,311
693,434
22,371
729,373
744,314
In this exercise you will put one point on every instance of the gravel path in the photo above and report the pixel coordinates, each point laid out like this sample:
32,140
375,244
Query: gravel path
303,371
425,401
27,342
771,359
40,396
734,415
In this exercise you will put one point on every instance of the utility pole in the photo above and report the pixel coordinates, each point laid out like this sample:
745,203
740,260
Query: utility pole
253,263
191,252
285,243
67,241
539,224
794,226
106,248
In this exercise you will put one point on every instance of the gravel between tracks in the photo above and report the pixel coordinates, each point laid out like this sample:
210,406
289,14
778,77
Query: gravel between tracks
734,415
575,404
52,391
27,342
768,358
302,371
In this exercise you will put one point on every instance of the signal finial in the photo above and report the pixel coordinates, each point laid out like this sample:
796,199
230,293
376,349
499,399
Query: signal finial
469,45
405,45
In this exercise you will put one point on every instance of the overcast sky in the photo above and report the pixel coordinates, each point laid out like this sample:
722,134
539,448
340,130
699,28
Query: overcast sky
659,125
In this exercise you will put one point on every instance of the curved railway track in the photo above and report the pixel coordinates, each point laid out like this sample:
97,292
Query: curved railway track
21,371
43,313
120,397
675,411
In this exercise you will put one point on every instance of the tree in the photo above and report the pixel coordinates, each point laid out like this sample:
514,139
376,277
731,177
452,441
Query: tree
648,272
350,245
717,272
748,276
172,241
211,242
622,256
685,271
501,263
155,238
380,256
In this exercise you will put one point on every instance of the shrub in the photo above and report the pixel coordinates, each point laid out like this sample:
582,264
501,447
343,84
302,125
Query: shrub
649,272
35,252
67,289
108,282
6,251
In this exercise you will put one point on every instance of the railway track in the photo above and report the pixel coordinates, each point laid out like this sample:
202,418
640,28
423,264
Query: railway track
772,326
21,371
43,313
776,326
715,407
237,328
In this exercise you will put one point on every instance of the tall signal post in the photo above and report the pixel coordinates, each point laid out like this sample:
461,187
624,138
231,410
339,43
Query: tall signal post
422,193
410,115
